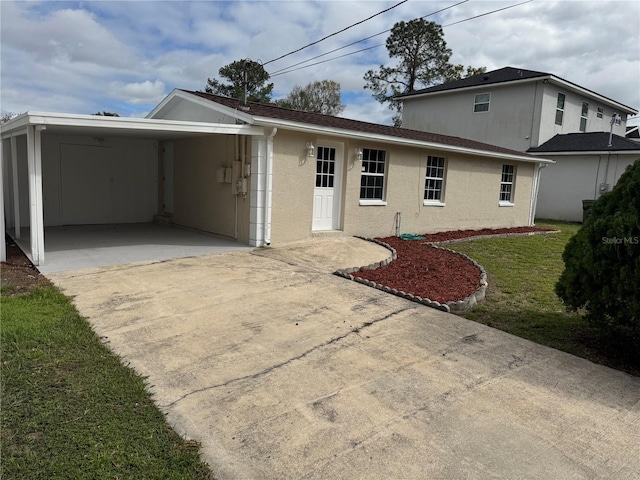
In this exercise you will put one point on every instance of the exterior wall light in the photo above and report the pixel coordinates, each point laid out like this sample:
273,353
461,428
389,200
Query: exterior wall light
358,152
310,149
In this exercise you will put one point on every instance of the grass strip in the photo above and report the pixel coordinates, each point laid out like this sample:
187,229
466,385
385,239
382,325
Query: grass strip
70,409
522,273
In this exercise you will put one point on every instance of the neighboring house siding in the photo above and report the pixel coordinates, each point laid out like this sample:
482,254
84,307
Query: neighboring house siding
200,201
520,116
508,122
574,178
572,115
472,186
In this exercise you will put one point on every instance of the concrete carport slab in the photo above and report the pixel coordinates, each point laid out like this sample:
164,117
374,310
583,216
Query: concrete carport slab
283,370
79,247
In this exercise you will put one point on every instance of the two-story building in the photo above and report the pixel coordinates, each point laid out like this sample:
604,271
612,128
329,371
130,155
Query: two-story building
524,110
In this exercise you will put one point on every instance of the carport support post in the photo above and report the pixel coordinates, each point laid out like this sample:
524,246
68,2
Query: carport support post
3,244
16,191
36,214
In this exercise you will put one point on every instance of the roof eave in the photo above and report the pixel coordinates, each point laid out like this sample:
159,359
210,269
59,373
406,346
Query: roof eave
323,130
18,124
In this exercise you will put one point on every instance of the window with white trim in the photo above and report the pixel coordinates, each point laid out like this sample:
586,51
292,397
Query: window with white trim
481,102
434,181
583,116
507,182
560,108
600,112
373,173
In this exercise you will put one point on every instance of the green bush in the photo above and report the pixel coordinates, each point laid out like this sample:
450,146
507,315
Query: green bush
602,263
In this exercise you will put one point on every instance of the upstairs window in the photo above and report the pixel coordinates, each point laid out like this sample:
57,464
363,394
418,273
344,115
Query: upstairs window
507,182
481,102
560,108
434,181
600,112
372,176
583,116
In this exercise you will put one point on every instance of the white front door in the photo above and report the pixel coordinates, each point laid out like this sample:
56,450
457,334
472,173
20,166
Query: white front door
326,194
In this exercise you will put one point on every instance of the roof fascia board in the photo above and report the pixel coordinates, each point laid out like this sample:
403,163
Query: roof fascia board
119,123
321,130
203,102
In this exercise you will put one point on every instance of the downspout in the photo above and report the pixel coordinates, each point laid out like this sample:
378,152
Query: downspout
534,193
268,187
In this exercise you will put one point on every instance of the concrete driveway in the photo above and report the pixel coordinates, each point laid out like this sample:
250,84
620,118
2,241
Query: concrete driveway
284,371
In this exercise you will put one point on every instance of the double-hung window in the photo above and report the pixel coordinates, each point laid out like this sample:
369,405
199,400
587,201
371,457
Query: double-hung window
507,183
481,102
434,181
560,108
583,116
372,176
600,112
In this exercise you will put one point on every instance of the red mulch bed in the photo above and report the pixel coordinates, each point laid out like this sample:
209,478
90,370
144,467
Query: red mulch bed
430,272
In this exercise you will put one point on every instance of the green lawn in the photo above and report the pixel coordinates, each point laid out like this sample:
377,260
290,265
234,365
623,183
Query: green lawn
522,272
70,409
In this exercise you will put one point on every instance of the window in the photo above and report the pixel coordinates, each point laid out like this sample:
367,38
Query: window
372,176
617,119
506,184
600,112
583,116
560,109
325,167
481,102
434,181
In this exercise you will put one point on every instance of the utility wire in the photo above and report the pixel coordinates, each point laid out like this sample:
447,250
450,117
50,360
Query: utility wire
359,41
290,69
335,33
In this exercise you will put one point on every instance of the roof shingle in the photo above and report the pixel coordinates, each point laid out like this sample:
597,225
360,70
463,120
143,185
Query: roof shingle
586,142
285,114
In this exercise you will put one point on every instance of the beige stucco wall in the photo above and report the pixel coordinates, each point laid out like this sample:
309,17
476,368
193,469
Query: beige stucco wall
471,196
200,201
574,178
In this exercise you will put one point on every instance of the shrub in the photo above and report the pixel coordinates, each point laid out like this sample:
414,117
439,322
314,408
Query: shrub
602,263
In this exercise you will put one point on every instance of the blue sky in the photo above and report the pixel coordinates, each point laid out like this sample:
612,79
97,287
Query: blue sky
84,57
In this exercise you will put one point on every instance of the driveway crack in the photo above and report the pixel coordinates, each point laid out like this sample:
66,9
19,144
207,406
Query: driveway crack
304,354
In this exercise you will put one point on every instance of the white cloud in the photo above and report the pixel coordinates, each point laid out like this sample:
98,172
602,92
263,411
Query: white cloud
144,93
123,56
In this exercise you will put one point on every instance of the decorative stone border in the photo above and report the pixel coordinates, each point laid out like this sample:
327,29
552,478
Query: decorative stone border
456,306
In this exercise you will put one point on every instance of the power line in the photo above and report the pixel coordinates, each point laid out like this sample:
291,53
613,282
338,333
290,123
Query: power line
335,33
277,72
290,69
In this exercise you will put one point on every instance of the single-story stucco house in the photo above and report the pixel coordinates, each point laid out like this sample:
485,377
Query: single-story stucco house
256,173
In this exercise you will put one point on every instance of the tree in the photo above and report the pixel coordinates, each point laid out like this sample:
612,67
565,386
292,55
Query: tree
7,116
106,114
319,97
242,73
457,72
602,263
423,60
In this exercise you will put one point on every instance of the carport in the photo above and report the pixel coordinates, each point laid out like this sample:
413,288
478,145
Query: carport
62,172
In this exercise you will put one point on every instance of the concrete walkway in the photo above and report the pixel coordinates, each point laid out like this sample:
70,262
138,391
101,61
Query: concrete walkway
284,371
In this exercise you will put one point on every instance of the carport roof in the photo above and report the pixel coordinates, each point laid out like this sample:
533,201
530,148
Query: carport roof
101,125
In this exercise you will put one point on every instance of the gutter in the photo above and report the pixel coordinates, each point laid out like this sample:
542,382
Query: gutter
534,193
268,187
